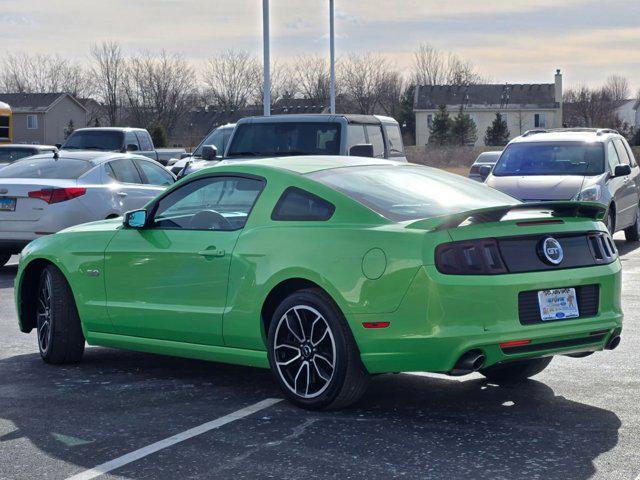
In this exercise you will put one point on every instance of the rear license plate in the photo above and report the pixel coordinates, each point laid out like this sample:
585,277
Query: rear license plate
558,304
7,204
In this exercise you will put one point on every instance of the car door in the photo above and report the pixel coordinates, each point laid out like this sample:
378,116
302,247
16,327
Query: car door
130,188
168,281
630,183
625,207
153,175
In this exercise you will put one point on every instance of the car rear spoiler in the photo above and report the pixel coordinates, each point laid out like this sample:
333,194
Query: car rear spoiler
593,210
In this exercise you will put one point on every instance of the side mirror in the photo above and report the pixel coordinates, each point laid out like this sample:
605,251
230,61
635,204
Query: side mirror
485,170
58,146
209,152
132,147
622,171
184,155
135,219
361,150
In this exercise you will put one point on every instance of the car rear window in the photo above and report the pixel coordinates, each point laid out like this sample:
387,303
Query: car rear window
107,140
280,139
411,192
9,154
63,168
551,158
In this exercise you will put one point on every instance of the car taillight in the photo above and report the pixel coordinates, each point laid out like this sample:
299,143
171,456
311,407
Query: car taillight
472,257
56,195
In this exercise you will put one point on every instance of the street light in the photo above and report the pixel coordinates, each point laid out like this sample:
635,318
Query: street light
266,86
332,60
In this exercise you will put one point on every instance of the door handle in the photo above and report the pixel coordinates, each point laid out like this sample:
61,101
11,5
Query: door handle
212,252
122,194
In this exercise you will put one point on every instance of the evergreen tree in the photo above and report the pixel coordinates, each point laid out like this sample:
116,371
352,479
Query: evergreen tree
463,129
407,118
69,129
158,135
497,134
440,127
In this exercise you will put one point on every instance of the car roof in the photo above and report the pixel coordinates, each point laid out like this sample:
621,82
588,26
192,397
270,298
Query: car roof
94,157
322,117
305,164
26,145
111,129
567,135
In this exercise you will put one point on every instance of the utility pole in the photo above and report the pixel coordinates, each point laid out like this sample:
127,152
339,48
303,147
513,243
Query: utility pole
266,86
332,61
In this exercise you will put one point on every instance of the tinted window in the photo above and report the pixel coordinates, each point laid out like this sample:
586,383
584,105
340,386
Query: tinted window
355,136
296,204
549,158
124,171
279,139
4,126
217,138
131,139
622,152
396,149
630,153
212,203
94,140
612,156
63,168
411,192
375,138
155,175
144,140
10,154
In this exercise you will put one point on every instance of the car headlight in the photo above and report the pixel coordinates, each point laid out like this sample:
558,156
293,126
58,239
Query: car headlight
590,194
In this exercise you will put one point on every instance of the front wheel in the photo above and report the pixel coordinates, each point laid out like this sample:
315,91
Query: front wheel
312,353
632,233
4,258
515,372
60,337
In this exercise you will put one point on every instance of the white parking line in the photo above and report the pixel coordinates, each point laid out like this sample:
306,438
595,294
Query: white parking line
167,442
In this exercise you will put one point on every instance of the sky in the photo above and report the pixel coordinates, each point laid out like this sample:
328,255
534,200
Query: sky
518,41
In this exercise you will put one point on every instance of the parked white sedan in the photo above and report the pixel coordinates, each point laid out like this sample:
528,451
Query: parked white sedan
43,194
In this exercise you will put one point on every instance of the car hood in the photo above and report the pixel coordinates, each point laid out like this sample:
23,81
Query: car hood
539,187
108,225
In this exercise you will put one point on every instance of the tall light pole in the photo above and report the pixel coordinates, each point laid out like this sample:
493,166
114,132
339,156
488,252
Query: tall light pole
266,86
332,61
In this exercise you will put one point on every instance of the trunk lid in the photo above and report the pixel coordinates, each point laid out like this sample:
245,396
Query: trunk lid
27,209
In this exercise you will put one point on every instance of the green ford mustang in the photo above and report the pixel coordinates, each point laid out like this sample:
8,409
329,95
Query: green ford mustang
328,270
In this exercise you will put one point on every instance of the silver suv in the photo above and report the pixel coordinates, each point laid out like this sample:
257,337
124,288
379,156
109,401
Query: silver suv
594,165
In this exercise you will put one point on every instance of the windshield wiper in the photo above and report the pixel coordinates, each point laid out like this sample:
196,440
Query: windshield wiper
245,154
286,154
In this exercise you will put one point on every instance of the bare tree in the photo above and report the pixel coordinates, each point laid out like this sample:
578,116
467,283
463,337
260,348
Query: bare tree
392,88
158,89
282,86
590,107
311,73
618,87
435,67
232,79
365,78
39,73
107,73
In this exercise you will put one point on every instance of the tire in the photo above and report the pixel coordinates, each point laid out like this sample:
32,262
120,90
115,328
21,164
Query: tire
515,372
632,233
611,222
312,353
4,258
60,337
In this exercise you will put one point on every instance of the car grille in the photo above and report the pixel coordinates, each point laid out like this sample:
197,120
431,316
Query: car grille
529,310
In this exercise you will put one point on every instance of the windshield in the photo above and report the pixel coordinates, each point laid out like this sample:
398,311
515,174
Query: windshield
108,140
279,139
551,158
411,192
9,154
63,168
219,137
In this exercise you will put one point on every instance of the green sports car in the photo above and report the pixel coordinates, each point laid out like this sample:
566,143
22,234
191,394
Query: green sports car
328,270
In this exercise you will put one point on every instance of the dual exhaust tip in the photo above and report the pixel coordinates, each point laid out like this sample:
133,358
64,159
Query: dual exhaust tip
469,362
613,342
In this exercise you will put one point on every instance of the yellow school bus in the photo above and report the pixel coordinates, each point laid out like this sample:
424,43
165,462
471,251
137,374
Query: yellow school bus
6,130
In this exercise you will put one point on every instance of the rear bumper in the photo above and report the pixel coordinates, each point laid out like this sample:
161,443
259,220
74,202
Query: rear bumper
444,316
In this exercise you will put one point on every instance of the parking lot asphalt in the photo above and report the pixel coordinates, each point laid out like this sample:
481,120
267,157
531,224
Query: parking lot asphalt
579,419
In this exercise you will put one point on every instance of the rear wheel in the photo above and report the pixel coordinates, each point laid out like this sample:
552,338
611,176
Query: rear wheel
312,353
632,233
60,337
514,372
4,258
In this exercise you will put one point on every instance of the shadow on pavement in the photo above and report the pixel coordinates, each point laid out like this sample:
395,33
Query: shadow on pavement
625,247
8,275
412,426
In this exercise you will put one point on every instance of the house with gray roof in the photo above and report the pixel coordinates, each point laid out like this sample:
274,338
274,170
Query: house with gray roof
523,106
43,118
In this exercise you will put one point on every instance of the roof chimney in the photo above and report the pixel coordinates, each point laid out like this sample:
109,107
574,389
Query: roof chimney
558,89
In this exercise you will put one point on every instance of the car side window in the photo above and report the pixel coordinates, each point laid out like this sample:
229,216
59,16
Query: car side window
154,174
221,203
630,153
374,132
396,149
622,152
355,136
131,139
144,140
296,204
612,156
123,170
